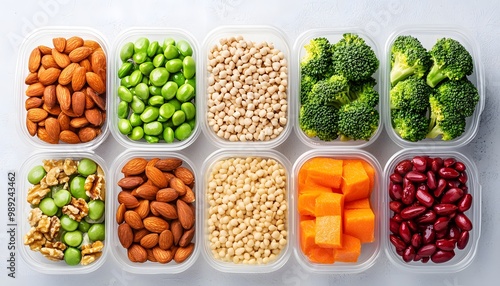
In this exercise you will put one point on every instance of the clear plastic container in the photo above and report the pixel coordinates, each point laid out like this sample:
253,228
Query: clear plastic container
369,251
462,258
256,34
117,250
153,34
35,259
428,35
333,36
202,221
44,36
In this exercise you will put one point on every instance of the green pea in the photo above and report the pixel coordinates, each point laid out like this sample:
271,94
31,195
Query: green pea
124,94
185,93
96,209
183,131
189,109
55,189
159,60
184,48
68,224
140,57
168,135
146,68
170,52
168,123
155,90
167,110
188,67
36,174
178,78
135,119
127,51
192,123
141,45
97,232
142,91
159,76
151,139
72,256
73,238
150,114
83,226
176,103
162,119
125,69
123,109
135,77
173,65
137,133
62,198
152,49
168,41
191,82
125,81
169,90
48,206
124,126
178,117
145,80
156,100
87,167
137,105
153,128
77,188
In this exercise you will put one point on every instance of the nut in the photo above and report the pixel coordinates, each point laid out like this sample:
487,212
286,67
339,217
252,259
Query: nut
168,164
137,253
185,175
77,209
67,73
139,234
78,78
166,195
133,219
143,209
189,197
179,186
149,240
44,136
128,200
147,192
34,60
35,89
155,224
33,102
78,122
94,116
69,136
59,44
61,59
120,213
177,231
186,237
186,215
130,182
156,176
37,114
73,43
165,210
162,256
87,134
166,239
49,76
32,127
49,96
95,82
53,128
63,97
183,253
135,166
79,54
31,78
94,96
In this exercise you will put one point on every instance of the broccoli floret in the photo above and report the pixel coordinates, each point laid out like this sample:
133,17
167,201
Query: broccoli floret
409,125
408,57
317,61
306,84
353,58
364,91
461,96
357,121
333,91
450,60
411,94
445,122
319,120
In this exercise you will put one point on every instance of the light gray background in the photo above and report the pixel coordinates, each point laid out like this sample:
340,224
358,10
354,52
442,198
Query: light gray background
379,18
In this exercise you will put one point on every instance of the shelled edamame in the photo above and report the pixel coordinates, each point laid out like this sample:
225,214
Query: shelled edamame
157,90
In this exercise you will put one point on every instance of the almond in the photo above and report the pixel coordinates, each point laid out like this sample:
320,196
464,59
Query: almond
166,239
100,101
49,62
151,257
184,174
64,121
34,60
120,213
87,65
149,240
189,197
139,234
156,176
133,219
31,126
91,44
177,231
125,235
186,214
162,256
49,76
69,137
98,63
168,164
67,73
78,79
79,54
69,112
73,43
164,209
59,44
152,162
128,200
44,136
56,110
53,128
49,96
147,191
33,102
41,123
155,224
143,209
87,134
37,114
63,97
31,78
94,116
166,195
95,82
62,60
78,102
130,182
45,50
178,186
35,89
169,176
137,253
186,237
183,253
78,122
135,166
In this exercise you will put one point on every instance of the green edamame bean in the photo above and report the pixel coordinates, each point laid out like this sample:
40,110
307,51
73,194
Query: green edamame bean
135,78
154,90
176,103
135,119
170,52
167,110
185,93
192,123
83,226
178,78
140,57
159,60
73,238
141,45
189,109
146,68
153,49
96,209
159,76
168,41
188,67
168,135
125,81
77,188
145,80
62,198
68,224
124,126
183,131
127,51
97,232
142,91
174,65
178,117
137,133
169,90
162,119
153,128
36,174
125,69
184,48
168,123
123,109
191,82
72,256
87,167
124,94
150,114
156,100
151,139
48,206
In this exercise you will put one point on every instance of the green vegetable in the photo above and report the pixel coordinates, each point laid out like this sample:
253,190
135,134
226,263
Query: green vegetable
97,232
185,93
173,65
127,51
317,62
319,120
73,238
36,174
178,117
62,198
333,91
306,84
124,126
156,100
124,94
68,224
184,48
142,91
137,133
137,105
357,121
169,90
150,114
444,121
364,91
72,256
188,67
189,110
125,69
77,188
411,94
96,209
83,226
410,125
153,128
87,167
123,109
408,57
460,96
48,206
168,134
183,131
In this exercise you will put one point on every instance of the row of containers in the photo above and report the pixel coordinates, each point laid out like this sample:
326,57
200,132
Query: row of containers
384,204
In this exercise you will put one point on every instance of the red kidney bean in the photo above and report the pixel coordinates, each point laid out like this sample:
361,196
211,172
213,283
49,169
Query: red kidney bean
400,252
408,196
448,173
427,250
465,203
396,178
436,164
394,226
413,225
465,189
459,166
463,222
425,259
404,167
427,217
419,163
442,184
396,206
449,162
429,235
463,178
398,218
445,209
417,257
445,244
409,254
404,232
416,240
397,242
423,187
453,184
442,233
406,182
395,191
453,233
463,239
416,177
412,212
431,180
441,256
424,198
441,223
452,195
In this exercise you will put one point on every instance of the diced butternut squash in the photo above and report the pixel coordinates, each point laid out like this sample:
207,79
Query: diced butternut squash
328,231
307,234
311,185
355,182
322,255
357,204
360,223
350,250
325,171
307,203
302,176
370,171
306,217
329,204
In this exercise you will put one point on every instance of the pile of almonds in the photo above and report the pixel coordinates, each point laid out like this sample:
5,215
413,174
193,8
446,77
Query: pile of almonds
156,215
66,91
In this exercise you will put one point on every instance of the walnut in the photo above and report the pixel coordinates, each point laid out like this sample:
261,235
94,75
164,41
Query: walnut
52,177
57,245
94,187
54,227
36,193
91,252
34,216
50,164
43,225
70,167
34,239
53,254
62,178
77,209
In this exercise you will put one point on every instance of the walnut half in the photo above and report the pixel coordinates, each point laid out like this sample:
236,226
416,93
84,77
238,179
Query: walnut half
77,209
91,252
36,193
53,250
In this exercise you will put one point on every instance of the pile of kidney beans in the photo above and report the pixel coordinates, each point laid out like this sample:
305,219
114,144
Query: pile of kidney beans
429,198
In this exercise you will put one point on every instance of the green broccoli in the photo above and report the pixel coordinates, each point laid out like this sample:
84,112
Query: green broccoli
450,60
411,94
306,84
408,57
410,125
319,120
445,122
461,96
364,91
317,61
333,91
353,58
357,121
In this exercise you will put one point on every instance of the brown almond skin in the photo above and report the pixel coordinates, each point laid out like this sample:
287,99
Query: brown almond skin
186,237
156,176
32,127
69,137
37,114
49,62
120,213
149,240
63,97
168,164
87,134
137,253
130,182
33,102
79,54
44,136
73,43
78,79
143,209
133,219
49,76
49,96
61,59
95,82
53,128
59,44
166,195
166,239
147,191
155,224
31,78
185,213
67,73
183,253
78,122
177,231
128,200
125,235
184,174
134,166
78,102
34,60
35,89
165,210
139,234
162,256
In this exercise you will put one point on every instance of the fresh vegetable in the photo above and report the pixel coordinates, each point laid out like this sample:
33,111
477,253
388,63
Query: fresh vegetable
445,121
411,126
357,120
364,91
460,96
408,57
317,62
411,95
318,120
333,91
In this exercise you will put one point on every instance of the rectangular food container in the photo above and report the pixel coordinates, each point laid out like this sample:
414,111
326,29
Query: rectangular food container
44,36
117,250
256,34
153,34
428,35
34,259
202,222
333,36
463,258
369,251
